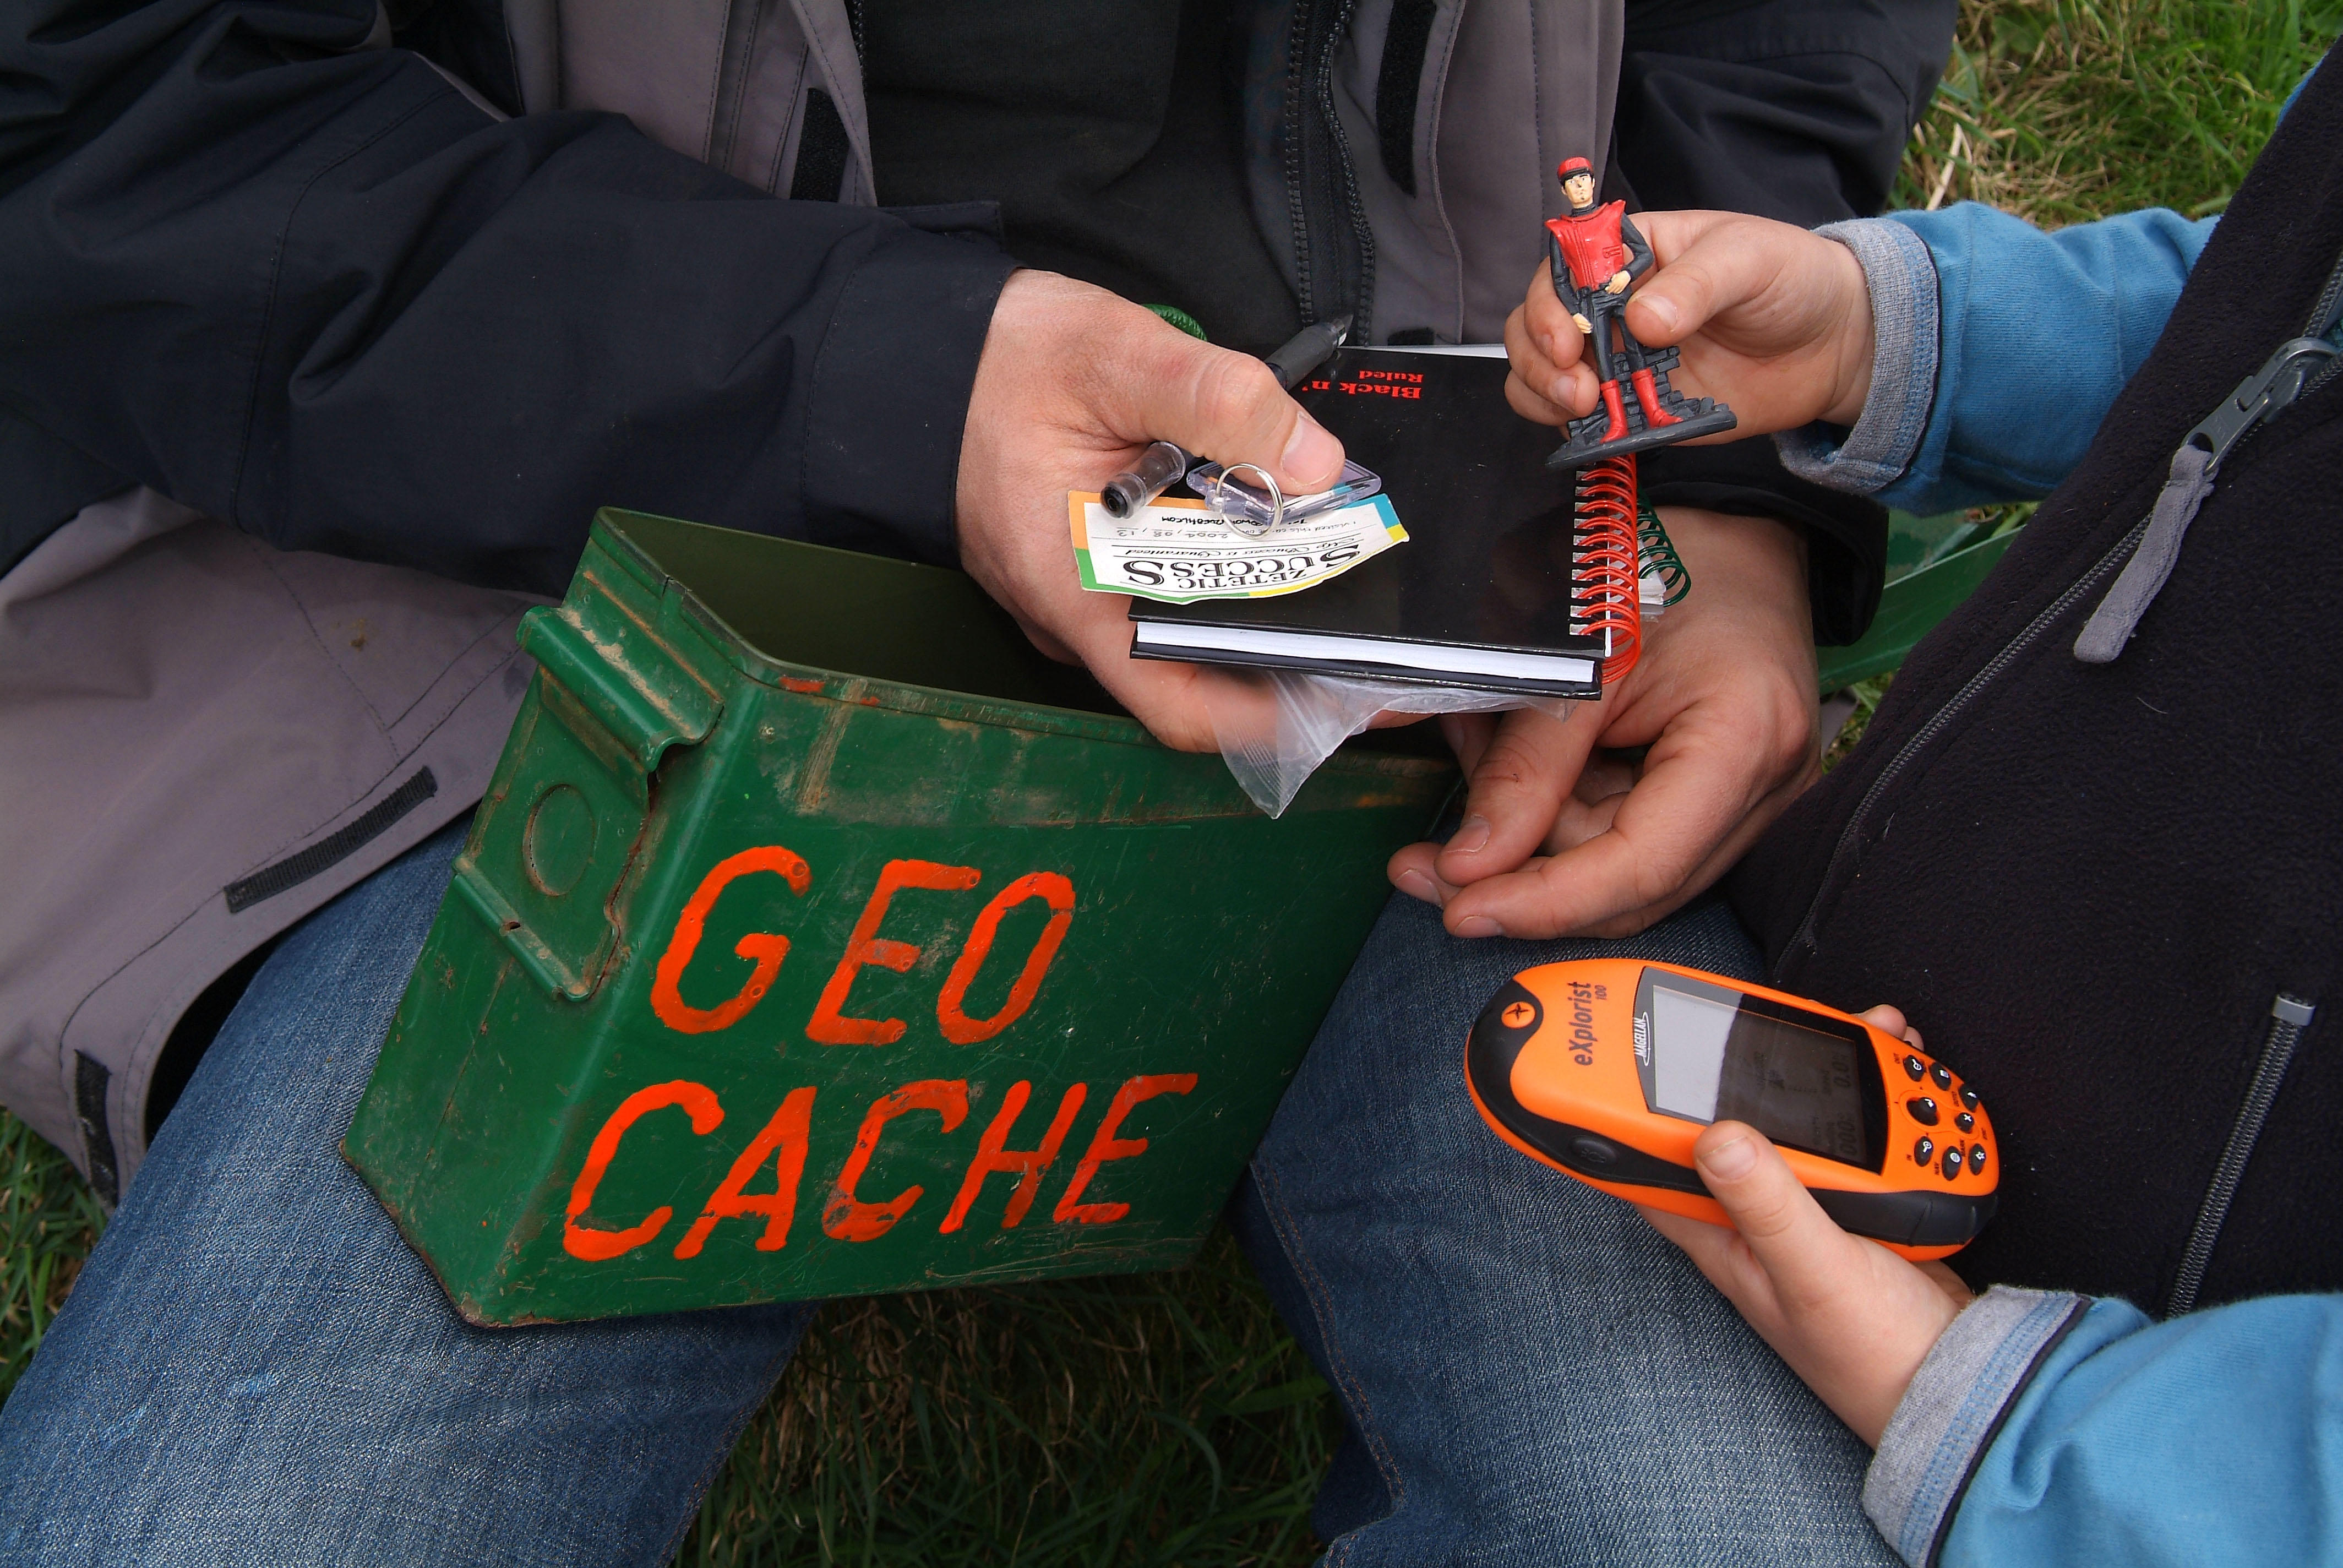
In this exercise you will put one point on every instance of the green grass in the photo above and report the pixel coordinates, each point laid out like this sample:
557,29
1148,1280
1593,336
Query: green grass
1167,1419
2065,110
48,1222
1163,1419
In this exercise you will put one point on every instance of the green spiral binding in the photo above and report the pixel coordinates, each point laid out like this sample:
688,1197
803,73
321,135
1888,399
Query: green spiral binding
1655,555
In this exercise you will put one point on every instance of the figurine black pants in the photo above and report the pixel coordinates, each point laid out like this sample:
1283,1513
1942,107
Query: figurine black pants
1611,363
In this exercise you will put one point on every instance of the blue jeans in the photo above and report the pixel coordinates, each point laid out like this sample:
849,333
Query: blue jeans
254,1369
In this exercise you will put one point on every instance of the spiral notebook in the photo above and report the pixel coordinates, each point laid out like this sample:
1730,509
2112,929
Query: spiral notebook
1481,595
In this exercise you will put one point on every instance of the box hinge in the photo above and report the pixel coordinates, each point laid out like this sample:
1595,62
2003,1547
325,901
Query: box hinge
627,680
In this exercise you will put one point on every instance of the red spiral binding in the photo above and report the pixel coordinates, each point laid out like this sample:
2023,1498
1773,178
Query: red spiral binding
1605,580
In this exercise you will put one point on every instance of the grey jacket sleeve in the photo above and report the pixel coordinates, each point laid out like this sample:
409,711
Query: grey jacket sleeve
1905,343
1955,1404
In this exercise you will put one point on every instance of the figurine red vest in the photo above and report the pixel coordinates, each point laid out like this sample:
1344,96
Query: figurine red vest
1591,243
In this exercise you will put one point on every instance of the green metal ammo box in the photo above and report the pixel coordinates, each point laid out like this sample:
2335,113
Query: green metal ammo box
762,980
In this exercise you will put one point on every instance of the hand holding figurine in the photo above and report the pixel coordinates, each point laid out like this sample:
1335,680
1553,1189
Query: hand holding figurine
1592,253
1773,319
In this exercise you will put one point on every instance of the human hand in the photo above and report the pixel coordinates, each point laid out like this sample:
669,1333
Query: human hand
1771,319
1618,284
1073,385
1562,837
1852,1318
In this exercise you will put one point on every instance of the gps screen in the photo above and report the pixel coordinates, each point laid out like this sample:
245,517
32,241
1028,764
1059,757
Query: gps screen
1715,1061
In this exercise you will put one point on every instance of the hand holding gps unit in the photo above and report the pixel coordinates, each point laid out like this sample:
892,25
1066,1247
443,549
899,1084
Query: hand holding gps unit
1607,1069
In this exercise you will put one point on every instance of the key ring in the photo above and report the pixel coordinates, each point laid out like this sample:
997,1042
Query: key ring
1246,525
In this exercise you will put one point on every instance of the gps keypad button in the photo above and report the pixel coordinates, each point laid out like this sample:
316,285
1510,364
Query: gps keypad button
1951,1162
1941,1075
1968,1097
1916,1068
1923,1110
1977,1160
1923,1151
1965,1121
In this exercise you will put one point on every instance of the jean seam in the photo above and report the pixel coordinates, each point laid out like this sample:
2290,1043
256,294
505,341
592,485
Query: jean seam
698,1493
1346,1384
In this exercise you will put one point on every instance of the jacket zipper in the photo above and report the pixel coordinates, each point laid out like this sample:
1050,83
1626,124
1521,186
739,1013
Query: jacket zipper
2323,316
2289,1015
1843,853
1317,32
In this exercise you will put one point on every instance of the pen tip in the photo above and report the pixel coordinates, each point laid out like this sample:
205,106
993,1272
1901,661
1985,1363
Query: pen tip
1342,328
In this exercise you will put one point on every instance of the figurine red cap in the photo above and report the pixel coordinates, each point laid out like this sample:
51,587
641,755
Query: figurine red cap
1573,167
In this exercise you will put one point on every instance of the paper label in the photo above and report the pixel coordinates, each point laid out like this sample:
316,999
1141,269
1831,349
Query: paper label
1180,551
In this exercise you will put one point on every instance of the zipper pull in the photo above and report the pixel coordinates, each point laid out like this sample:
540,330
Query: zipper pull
2274,386
2194,465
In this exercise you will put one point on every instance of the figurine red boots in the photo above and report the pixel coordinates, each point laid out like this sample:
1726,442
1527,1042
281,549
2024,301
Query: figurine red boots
1648,395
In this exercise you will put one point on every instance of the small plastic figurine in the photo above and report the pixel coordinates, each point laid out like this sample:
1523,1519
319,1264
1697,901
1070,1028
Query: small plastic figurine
1596,254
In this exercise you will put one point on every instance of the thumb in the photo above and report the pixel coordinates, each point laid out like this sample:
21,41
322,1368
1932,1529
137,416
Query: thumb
1705,268
1793,1239
1517,784
1229,407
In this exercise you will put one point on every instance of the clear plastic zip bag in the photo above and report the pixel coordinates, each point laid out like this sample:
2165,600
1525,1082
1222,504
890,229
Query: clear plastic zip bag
1272,747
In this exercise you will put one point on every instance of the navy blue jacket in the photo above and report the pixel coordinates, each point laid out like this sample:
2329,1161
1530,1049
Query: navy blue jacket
308,287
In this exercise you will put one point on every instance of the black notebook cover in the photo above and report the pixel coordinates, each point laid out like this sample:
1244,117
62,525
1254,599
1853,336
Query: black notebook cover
1487,561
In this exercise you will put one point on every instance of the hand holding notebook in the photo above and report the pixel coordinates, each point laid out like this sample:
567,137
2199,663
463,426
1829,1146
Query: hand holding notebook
1074,383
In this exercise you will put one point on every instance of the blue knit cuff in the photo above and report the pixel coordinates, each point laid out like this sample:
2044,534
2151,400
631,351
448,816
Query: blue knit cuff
1949,1415
1902,279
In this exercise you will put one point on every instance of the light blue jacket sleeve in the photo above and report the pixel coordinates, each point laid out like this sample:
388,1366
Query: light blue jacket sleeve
2209,1439
1999,349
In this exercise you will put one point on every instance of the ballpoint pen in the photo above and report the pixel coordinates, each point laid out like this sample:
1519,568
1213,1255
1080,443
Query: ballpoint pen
1163,464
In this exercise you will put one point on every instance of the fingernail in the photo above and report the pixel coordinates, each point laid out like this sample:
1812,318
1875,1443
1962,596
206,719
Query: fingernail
1471,837
1479,926
1731,1161
1312,453
1660,311
1416,885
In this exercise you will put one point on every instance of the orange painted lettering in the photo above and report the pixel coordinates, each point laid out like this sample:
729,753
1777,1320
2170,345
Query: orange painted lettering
1105,1146
992,1154
598,1246
787,1131
766,949
849,1218
828,1025
963,1029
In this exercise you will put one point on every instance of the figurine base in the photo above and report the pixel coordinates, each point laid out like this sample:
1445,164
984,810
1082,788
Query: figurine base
1701,417
1695,416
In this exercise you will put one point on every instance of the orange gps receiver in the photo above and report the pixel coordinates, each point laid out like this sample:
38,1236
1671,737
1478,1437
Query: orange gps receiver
1608,1070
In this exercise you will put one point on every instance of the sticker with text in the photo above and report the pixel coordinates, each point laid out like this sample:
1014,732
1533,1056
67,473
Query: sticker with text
1179,552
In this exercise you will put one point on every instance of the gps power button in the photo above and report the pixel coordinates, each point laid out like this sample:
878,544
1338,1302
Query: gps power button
1594,1150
